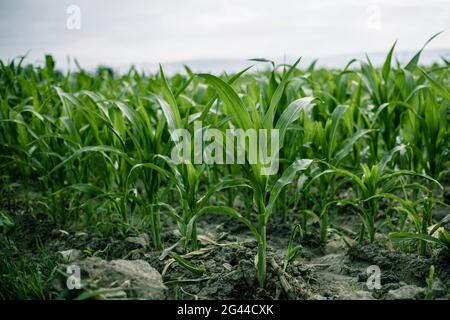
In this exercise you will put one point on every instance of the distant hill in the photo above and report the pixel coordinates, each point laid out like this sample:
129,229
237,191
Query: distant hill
335,61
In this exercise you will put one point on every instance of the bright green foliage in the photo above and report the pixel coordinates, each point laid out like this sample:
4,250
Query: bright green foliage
93,150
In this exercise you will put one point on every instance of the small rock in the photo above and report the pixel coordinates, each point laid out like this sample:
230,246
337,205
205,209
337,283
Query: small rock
357,295
141,240
116,295
305,269
227,266
70,255
60,233
145,280
250,244
408,292
81,235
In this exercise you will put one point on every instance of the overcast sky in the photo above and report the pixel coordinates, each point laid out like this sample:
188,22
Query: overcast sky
119,32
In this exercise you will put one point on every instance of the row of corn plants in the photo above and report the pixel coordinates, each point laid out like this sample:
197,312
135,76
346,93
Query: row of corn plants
93,149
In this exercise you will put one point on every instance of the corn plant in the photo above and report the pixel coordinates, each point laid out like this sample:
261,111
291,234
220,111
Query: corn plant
265,191
186,176
420,213
371,182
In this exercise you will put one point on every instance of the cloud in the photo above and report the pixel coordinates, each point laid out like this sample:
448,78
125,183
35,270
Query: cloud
115,32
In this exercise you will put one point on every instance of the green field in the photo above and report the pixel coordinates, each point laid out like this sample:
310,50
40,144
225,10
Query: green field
363,180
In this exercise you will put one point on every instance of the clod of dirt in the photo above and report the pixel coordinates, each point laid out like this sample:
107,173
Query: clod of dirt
408,292
395,266
137,277
141,240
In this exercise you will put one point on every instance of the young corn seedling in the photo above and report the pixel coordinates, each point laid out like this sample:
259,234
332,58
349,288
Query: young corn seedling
265,191
92,152
420,213
186,176
372,181
293,250
426,130
389,91
332,144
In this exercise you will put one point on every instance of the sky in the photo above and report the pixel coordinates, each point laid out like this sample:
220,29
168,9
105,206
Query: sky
118,32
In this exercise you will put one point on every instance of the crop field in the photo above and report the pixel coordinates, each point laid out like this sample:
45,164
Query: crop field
94,205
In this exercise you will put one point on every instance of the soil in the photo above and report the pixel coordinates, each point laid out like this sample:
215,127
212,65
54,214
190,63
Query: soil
227,252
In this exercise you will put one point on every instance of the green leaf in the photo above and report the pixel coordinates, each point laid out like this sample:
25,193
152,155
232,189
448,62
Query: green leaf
187,265
234,104
264,60
292,113
222,210
408,236
390,155
269,117
286,178
444,237
89,149
387,63
6,222
174,115
412,64
211,102
221,185
411,173
336,117
436,85
349,145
